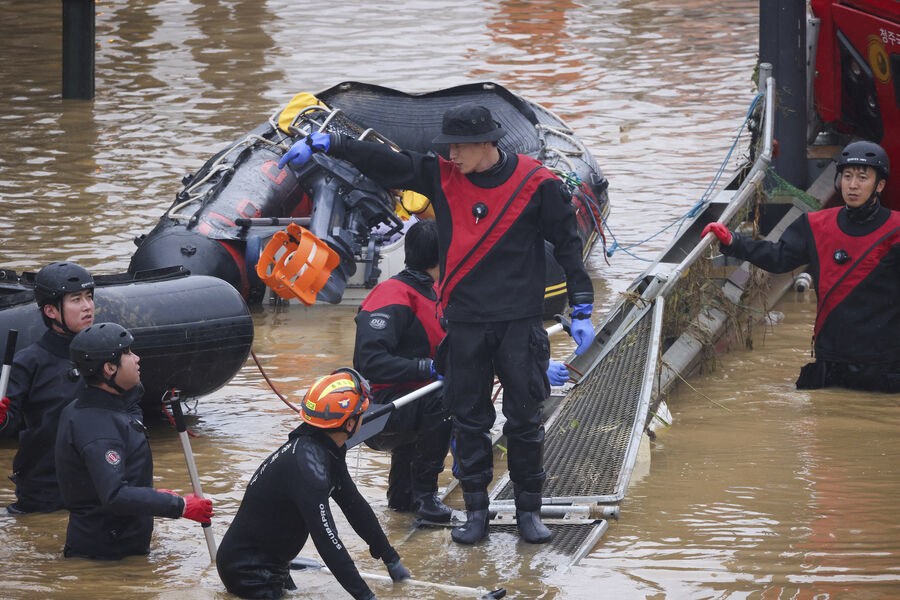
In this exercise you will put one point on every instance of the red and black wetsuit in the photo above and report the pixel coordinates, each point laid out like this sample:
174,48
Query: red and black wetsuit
492,291
286,503
855,264
397,332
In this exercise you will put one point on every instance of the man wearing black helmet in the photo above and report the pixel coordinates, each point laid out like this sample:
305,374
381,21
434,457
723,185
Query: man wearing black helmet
40,385
494,210
103,460
853,253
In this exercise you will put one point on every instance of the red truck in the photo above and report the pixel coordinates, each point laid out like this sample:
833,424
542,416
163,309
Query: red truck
857,76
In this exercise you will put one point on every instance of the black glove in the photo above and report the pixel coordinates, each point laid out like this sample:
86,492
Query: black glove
397,571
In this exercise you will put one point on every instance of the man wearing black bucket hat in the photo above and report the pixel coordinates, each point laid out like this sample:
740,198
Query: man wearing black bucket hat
494,209
853,253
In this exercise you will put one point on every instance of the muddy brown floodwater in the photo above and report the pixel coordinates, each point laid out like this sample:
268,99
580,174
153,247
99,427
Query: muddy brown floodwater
781,494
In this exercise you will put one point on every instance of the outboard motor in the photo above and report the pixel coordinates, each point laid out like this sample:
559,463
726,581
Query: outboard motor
346,206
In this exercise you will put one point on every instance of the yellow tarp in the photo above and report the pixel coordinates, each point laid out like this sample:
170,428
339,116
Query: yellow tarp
413,203
293,108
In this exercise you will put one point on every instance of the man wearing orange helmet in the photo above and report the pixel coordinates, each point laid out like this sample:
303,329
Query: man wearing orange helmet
287,501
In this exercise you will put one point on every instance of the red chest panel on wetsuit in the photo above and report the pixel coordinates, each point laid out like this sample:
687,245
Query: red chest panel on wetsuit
470,241
836,281
394,291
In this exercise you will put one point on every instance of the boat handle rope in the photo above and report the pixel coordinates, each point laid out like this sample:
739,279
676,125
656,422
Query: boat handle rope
214,169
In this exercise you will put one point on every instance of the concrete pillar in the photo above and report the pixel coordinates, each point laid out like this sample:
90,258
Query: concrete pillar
78,49
782,42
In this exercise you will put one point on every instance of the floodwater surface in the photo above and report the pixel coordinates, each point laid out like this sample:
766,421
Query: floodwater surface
756,491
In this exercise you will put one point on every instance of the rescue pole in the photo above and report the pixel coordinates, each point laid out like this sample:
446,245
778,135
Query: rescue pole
11,336
307,564
375,420
178,415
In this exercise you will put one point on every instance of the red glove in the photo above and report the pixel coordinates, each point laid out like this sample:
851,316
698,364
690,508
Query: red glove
4,407
720,231
197,508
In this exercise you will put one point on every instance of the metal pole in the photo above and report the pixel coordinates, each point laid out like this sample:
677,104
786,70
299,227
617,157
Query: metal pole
782,42
304,564
11,336
178,415
78,49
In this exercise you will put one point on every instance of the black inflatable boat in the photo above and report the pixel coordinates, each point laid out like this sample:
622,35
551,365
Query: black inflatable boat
192,332
217,223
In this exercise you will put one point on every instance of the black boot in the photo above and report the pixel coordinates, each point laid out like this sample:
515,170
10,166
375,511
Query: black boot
428,507
528,518
475,528
399,492
427,463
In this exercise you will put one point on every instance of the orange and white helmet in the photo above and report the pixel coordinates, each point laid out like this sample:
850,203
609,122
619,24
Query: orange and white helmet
333,399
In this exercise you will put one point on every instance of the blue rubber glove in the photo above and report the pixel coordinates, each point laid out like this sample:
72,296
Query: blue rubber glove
302,150
318,141
557,373
299,153
435,374
582,328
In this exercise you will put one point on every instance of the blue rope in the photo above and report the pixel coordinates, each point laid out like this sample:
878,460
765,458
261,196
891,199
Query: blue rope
695,209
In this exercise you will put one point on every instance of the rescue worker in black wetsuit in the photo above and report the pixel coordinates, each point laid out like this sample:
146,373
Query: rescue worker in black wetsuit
853,253
40,386
493,210
103,460
397,332
287,501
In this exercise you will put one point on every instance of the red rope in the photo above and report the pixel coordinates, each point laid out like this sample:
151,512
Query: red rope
570,367
272,385
497,393
165,410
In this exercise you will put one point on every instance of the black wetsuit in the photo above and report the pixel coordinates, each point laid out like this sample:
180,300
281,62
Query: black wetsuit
397,332
286,502
39,387
854,259
492,293
105,472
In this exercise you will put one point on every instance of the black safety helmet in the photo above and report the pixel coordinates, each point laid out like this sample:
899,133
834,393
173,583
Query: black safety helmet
865,154
58,279
97,345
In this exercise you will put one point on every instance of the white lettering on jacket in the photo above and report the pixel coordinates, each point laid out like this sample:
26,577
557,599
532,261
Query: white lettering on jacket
331,535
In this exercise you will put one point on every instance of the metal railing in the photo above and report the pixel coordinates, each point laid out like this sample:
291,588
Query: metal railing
747,189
